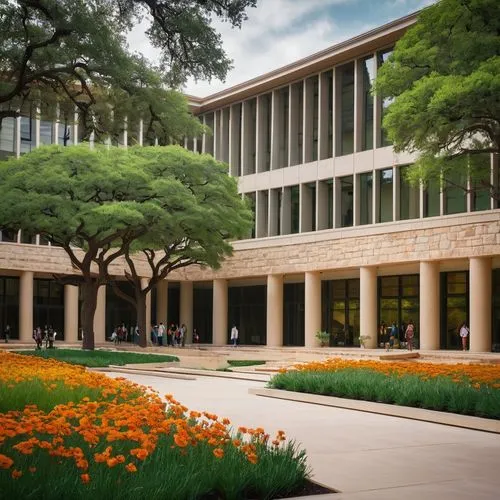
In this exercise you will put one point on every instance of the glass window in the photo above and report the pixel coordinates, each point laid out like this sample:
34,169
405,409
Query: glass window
315,118
347,109
251,200
456,283
46,128
346,201
64,134
330,114
330,203
8,235
455,194
431,199
409,197
27,134
381,59
367,67
366,198
389,286
7,133
386,195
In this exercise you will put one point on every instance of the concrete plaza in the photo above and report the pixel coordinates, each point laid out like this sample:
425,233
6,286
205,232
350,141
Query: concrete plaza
361,455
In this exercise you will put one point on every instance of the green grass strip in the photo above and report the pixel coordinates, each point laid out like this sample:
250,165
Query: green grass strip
99,359
439,393
245,362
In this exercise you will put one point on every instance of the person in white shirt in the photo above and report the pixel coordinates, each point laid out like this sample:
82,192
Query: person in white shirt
464,333
234,336
161,331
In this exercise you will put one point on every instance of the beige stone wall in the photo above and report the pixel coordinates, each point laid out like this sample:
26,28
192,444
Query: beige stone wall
452,237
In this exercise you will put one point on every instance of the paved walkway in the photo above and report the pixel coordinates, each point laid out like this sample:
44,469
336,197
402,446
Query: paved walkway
362,455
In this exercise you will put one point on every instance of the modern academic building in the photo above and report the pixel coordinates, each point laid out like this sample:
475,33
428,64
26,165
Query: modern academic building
341,242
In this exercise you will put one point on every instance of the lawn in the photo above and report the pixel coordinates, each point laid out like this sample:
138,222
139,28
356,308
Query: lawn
245,362
80,434
456,388
99,359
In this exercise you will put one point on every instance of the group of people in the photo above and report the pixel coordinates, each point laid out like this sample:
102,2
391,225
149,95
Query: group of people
175,335
47,335
122,334
390,335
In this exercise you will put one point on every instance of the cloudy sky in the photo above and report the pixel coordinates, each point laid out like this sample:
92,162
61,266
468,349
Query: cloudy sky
279,32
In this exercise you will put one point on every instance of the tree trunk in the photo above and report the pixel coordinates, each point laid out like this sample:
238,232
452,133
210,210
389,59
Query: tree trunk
142,321
89,304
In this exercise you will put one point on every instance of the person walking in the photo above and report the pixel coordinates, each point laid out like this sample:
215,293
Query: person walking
464,333
409,334
183,335
6,333
234,336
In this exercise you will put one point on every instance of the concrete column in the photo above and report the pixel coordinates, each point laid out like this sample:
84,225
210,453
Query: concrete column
75,126
293,125
26,307
162,302
480,304
312,313
217,135
307,124
396,199
204,137
220,312
186,308
368,304
37,127
429,306
356,200
70,313
140,134
376,196
125,132
274,310
100,316
55,127
263,128
17,137
248,139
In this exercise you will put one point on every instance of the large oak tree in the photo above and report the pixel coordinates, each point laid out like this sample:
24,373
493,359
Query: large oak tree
444,77
74,53
103,204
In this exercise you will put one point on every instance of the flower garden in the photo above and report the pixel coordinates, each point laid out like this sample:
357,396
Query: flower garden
66,432
470,389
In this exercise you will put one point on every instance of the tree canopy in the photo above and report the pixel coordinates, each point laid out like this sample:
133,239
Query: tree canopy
444,77
74,53
102,204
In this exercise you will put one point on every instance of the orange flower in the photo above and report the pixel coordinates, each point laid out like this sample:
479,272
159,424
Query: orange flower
111,462
32,469
180,441
16,474
131,467
218,452
85,478
237,443
5,462
252,457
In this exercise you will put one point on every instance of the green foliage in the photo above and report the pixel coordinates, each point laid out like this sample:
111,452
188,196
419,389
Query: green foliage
99,358
444,77
322,336
438,393
245,362
75,53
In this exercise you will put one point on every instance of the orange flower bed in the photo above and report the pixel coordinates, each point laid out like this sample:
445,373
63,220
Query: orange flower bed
119,431
488,375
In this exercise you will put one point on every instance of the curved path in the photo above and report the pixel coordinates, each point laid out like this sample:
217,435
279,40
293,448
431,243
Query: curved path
362,455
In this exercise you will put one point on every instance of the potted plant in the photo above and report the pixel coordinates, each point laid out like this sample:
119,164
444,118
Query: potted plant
363,339
323,338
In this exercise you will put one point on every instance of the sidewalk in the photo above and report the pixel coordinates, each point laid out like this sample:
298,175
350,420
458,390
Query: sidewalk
365,456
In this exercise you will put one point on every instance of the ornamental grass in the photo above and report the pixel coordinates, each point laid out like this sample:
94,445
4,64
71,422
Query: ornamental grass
458,388
69,433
